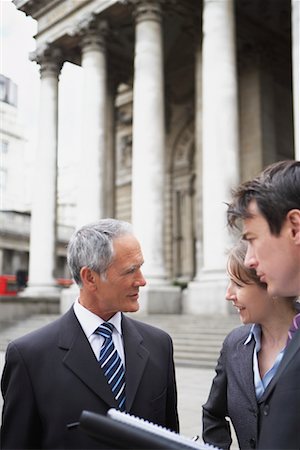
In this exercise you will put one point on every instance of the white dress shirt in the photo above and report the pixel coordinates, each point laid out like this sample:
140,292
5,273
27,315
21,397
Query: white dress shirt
90,322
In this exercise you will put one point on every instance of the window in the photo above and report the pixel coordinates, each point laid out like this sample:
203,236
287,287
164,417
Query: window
8,91
3,147
3,178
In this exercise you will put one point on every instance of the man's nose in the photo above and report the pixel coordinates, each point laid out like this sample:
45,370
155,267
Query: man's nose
140,280
250,260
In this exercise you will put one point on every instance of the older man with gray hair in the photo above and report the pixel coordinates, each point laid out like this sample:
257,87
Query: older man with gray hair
94,357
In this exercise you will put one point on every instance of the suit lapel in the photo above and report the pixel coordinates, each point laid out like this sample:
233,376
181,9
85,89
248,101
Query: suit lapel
136,357
245,366
288,356
80,359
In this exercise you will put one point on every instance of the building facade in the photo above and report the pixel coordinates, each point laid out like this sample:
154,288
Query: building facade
182,100
15,192
13,234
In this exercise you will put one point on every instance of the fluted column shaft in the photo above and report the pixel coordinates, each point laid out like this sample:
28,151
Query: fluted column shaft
220,127
149,138
219,156
90,206
198,156
296,72
43,213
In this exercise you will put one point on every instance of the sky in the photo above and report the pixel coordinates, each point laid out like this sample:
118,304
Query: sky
16,43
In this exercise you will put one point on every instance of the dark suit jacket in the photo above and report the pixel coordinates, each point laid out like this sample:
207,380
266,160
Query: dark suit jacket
279,407
274,421
51,375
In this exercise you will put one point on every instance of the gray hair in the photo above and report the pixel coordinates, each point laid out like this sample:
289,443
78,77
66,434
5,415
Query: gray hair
92,246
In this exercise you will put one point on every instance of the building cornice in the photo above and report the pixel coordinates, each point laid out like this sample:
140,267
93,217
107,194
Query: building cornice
35,8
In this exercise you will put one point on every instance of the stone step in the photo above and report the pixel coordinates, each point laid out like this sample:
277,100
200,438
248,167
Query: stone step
14,329
197,339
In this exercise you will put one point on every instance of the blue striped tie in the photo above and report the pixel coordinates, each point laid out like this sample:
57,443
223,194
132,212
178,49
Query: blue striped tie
111,364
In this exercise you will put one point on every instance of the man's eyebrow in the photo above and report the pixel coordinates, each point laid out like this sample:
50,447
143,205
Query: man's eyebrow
134,266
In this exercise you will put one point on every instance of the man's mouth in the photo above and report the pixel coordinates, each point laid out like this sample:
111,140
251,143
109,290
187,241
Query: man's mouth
262,277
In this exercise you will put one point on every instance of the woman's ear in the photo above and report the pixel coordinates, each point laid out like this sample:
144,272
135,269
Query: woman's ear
293,217
88,278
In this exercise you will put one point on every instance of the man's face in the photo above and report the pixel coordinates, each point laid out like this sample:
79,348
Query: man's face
276,259
119,289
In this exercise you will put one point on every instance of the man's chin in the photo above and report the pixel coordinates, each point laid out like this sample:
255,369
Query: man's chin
282,291
273,290
132,308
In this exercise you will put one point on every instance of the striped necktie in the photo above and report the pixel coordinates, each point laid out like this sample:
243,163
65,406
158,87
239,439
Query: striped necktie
294,327
111,364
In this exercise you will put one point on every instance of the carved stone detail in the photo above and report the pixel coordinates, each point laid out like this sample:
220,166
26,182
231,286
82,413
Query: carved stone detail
147,10
50,58
92,30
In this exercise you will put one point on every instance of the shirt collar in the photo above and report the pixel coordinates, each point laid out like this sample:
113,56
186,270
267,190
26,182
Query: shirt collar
90,321
254,333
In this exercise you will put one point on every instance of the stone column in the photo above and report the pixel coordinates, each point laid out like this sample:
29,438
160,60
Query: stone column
296,72
219,153
148,151
91,189
198,157
43,212
110,163
92,172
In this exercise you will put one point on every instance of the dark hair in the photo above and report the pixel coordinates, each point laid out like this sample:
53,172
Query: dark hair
236,267
276,191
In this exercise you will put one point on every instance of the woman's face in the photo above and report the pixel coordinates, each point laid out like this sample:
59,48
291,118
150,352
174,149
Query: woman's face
252,301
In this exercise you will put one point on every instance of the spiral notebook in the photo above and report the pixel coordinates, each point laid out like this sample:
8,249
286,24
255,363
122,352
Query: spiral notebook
167,438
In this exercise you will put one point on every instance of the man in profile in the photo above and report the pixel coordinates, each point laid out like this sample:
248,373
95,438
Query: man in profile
268,210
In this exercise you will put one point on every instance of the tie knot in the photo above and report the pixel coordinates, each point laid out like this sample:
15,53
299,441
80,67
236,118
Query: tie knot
105,329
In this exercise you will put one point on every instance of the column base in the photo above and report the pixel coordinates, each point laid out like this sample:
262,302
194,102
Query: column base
207,294
41,291
160,299
68,297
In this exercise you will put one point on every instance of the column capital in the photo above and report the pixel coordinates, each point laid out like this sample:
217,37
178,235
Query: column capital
50,58
92,30
147,10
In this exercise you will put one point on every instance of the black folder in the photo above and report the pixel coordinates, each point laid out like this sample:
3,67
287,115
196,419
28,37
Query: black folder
122,431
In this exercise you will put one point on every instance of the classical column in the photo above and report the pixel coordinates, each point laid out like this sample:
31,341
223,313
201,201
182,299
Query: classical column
219,153
110,163
43,212
296,72
92,201
149,138
91,189
198,157
148,151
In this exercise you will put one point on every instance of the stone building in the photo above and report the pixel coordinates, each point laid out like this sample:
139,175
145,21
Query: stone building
15,192
182,99
13,243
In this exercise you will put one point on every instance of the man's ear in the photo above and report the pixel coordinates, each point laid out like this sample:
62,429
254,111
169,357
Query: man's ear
88,278
293,217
